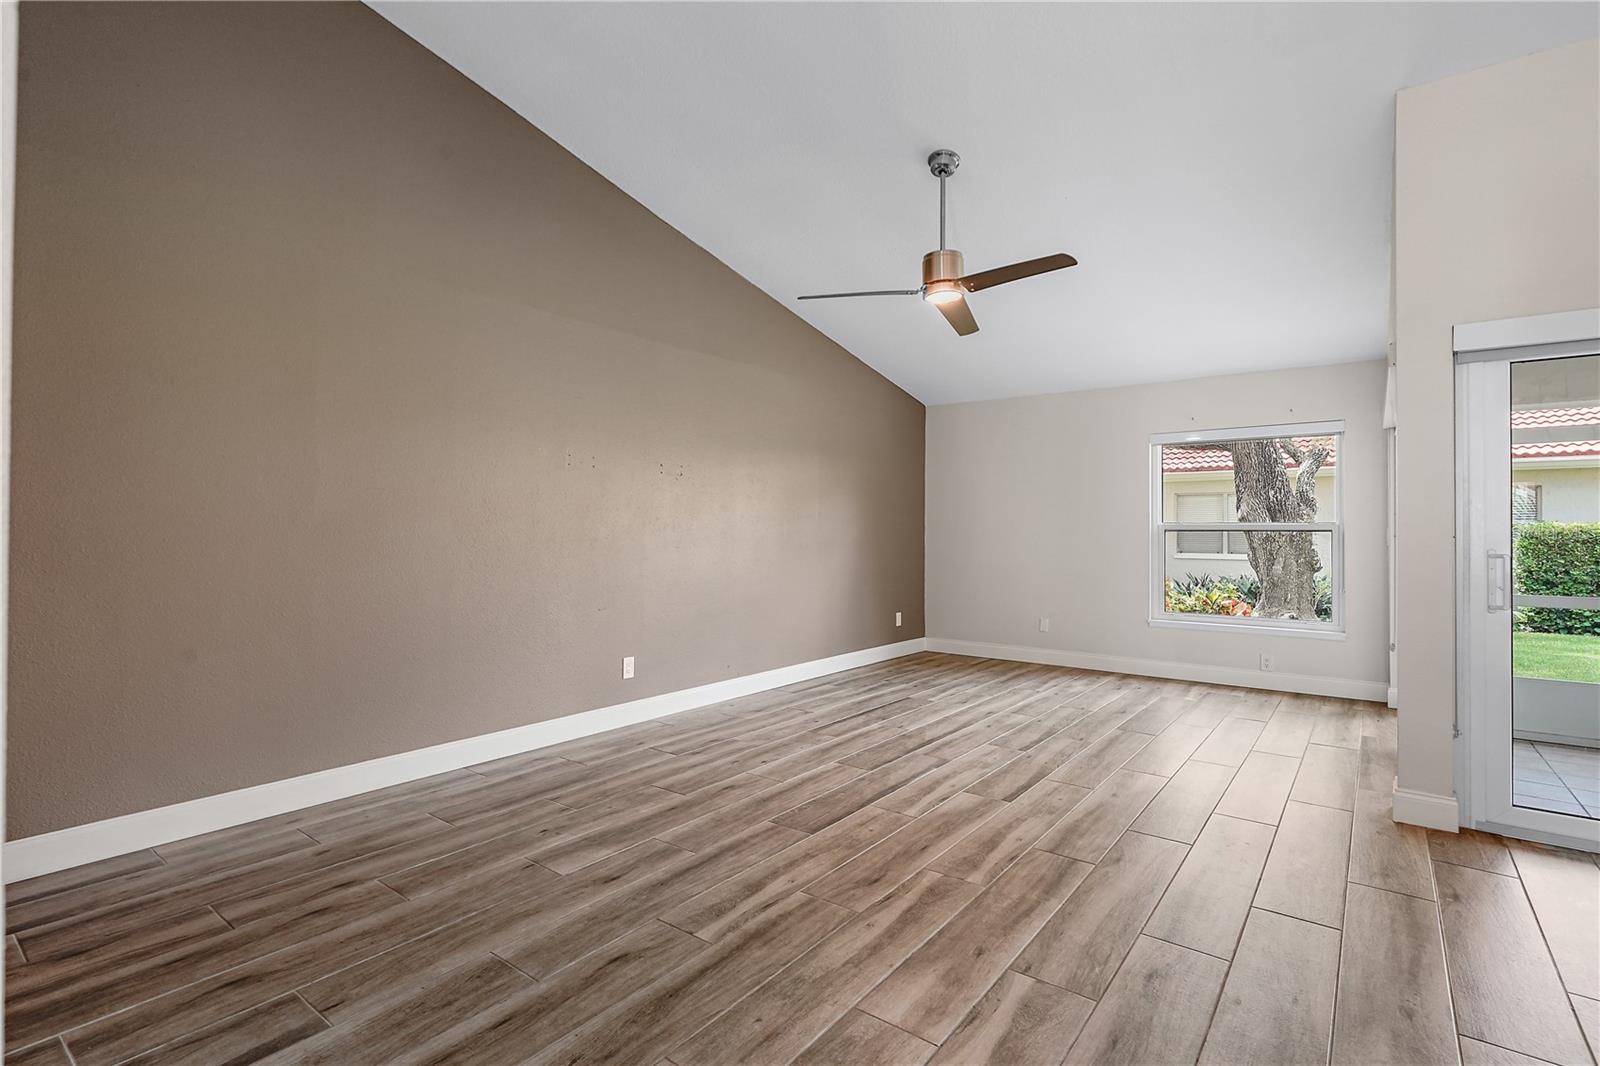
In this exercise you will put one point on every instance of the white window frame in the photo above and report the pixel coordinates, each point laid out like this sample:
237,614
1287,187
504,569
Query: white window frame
1159,528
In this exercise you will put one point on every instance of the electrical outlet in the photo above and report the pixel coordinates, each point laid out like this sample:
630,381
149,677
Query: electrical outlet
627,667
897,618
1266,661
1044,623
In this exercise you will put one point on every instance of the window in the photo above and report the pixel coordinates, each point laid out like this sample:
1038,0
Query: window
1199,507
1246,529
1527,503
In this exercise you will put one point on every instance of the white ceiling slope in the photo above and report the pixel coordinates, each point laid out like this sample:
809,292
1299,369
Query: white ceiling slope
1221,171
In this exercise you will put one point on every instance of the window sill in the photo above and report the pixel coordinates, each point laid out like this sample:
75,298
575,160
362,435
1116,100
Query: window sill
1216,624
1217,558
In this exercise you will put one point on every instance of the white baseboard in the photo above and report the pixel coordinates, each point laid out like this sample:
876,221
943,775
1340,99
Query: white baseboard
1311,684
1427,809
64,848
1393,699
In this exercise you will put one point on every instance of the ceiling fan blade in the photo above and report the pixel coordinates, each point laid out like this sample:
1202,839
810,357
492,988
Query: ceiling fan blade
986,279
959,315
874,292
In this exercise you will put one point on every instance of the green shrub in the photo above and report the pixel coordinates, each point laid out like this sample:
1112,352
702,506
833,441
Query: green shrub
1557,559
1324,585
1209,594
1195,584
1205,595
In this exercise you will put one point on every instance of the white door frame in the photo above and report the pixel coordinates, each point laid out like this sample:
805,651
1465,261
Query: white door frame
1484,353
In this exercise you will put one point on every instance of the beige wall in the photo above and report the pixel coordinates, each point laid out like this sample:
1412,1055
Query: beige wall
1497,215
354,415
1040,506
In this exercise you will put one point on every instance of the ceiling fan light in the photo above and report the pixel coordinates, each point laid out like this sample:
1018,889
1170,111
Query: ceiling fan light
942,292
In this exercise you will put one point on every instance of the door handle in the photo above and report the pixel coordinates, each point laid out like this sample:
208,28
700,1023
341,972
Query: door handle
1499,572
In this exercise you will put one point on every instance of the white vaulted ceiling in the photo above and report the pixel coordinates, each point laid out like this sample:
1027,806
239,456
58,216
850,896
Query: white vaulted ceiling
1221,171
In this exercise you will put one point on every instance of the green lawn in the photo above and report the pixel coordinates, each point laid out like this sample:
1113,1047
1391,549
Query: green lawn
1563,656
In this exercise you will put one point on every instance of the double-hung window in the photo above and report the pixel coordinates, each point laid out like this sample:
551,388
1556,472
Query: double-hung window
1246,528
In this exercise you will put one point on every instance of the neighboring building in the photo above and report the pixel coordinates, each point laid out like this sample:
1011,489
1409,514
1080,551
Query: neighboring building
1554,454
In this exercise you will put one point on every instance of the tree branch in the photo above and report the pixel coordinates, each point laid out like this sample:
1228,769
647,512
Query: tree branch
1306,481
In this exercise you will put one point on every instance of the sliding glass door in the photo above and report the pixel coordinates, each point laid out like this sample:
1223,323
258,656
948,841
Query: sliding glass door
1529,561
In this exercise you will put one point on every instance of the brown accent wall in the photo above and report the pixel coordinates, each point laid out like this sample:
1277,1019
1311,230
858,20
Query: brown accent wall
353,415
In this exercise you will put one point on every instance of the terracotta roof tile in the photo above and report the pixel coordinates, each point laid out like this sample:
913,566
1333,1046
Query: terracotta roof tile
1550,417
1558,448
1202,458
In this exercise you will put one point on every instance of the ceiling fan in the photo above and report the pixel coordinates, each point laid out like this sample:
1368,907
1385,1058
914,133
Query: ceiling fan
943,284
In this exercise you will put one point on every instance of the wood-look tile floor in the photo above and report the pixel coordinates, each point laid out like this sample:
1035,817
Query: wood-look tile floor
935,859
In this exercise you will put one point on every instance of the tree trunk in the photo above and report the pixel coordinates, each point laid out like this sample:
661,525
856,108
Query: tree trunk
1285,563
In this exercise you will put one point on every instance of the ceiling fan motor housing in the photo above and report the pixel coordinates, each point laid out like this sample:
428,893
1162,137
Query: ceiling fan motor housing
943,265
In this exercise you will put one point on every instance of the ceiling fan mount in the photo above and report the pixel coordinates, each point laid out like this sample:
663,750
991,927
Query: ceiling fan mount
943,162
943,282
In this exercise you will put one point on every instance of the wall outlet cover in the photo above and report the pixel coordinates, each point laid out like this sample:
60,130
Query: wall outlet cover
627,667
1044,623
1266,662
897,618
